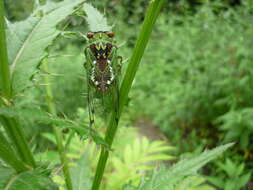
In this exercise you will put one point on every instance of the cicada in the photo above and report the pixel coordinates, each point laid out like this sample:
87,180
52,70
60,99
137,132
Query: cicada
103,67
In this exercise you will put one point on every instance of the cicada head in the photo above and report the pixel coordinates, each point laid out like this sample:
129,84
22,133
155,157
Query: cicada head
100,36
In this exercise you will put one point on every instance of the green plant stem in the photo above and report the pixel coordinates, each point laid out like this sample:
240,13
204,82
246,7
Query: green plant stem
4,65
149,21
11,125
57,131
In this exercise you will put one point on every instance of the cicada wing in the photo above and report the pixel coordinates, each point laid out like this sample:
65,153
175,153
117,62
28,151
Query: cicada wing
91,108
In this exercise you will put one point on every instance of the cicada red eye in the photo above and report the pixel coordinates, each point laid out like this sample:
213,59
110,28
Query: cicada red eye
110,34
90,35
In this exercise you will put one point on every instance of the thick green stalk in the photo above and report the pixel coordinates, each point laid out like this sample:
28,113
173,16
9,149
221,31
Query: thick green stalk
5,81
57,131
149,21
11,125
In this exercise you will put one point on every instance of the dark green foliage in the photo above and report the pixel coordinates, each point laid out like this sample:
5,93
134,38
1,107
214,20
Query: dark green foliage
232,177
201,73
37,179
167,179
196,80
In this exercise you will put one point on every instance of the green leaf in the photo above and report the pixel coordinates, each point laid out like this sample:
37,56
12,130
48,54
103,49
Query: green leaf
137,158
166,179
97,21
80,174
8,155
43,117
5,174
28,39
244,180
51,157
244,138
216,181
31,180
230,185
194,183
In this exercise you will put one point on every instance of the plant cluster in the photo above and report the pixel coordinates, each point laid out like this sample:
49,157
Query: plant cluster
199,86
36,97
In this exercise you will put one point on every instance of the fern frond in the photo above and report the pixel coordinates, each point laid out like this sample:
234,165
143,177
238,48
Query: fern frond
131,158
194,183
167,179
139,157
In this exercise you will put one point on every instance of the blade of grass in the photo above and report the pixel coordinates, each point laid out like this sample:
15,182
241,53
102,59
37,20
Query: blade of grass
149,21
11,125
57,131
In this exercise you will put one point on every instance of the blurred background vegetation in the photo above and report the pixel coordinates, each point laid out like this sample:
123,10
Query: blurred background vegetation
194,86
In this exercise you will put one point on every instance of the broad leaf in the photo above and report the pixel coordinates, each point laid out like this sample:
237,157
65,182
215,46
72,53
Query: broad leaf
97,21
80,174
28,39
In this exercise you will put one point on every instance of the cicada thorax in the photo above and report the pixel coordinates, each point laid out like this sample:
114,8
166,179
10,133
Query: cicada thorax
102,74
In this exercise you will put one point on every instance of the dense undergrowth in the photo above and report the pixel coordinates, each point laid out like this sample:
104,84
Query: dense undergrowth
200,81
196,80
195,83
